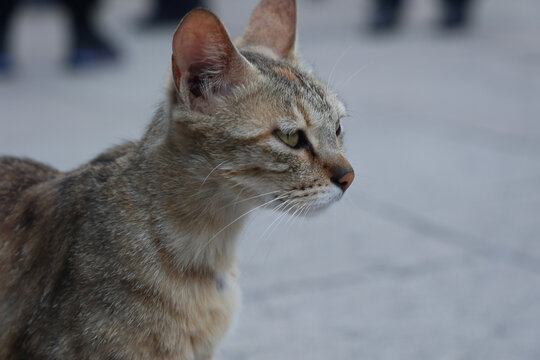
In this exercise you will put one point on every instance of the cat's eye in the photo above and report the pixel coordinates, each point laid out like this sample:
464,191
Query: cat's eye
338,131
291,139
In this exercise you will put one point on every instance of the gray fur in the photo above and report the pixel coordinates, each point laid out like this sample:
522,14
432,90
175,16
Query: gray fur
131,256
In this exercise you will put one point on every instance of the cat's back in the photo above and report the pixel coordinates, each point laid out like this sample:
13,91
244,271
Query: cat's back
17,176
25,270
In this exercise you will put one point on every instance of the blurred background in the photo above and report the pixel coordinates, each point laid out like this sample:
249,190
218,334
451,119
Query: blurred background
433,253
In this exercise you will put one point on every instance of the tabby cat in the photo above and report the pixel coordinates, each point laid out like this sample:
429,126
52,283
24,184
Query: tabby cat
132,255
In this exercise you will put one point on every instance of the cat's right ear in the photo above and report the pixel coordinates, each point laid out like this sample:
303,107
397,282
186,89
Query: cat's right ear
205,62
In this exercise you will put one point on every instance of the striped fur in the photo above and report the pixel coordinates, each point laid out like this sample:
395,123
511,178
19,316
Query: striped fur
131,256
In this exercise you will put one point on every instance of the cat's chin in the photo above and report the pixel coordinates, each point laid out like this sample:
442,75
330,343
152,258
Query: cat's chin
315,210
318,207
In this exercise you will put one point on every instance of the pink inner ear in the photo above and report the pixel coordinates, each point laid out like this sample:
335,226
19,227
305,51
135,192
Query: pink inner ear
202,44
204,58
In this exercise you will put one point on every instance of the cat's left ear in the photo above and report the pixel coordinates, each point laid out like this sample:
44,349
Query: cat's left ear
205,62
272,27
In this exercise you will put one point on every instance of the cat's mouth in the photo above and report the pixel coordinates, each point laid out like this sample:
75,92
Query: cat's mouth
307,203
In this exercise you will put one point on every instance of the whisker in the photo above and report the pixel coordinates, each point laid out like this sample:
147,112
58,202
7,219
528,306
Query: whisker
342,85
293,214
330,77
210,173
235,220
249,198
303,213
250,221
295,218
277,223
262,236
236,199
257,242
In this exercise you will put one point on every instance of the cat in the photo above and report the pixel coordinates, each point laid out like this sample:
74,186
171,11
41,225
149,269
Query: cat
132,255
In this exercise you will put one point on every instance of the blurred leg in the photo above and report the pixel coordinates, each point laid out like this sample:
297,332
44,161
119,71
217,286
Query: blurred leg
88,46
455,13
7,9
387,14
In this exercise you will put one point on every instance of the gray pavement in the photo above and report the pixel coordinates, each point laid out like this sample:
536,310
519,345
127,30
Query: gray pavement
434,253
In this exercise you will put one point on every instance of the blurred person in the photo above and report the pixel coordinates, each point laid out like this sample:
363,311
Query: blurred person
387,14
88,46
169,12
6,10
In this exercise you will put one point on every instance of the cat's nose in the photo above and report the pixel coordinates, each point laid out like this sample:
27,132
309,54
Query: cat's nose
343,178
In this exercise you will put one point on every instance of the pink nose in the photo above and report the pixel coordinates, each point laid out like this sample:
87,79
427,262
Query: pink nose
345,180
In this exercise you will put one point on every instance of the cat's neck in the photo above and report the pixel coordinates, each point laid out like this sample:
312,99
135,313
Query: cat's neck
196,215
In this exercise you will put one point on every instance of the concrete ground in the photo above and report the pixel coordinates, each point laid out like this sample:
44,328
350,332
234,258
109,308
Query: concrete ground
434,252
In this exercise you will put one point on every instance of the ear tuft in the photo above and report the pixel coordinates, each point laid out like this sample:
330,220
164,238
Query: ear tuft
273,26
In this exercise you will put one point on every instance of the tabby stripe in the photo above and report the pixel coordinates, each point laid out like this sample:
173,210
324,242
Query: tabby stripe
287,73
304,114
252,140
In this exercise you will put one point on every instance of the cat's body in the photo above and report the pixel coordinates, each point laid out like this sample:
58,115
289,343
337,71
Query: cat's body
90,252
131,256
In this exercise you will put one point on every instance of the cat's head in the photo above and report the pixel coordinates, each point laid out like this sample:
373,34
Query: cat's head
269,129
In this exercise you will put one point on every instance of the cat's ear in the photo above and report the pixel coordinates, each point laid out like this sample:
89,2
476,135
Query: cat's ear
205,61
273,26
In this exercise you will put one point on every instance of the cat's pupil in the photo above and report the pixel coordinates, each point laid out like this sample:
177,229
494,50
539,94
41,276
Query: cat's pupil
338,131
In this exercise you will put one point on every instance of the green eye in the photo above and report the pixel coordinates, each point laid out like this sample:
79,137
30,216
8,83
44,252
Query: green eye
291,139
